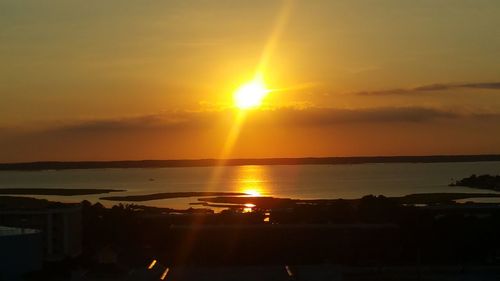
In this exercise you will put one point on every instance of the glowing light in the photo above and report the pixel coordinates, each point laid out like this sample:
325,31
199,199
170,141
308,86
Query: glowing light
289,271
266,217
152,264
250,95
252,192
164,274
248,207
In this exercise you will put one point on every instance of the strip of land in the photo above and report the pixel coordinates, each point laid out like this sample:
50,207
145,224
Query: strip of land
168,195
273,203
33,166
55,191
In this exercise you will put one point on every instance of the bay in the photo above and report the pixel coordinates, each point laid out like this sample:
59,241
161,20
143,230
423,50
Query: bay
290,181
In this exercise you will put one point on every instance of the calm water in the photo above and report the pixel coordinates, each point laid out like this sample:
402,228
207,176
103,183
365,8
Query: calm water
307,181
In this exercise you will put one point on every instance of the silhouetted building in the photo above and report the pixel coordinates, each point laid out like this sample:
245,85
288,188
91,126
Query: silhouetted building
60,224
21,251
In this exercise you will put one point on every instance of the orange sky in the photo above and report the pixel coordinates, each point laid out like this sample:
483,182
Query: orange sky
92,80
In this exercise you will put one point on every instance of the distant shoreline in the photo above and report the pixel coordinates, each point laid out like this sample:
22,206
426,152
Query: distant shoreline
55,165
56,191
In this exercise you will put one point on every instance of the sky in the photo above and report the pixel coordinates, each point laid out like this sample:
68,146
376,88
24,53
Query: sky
114,80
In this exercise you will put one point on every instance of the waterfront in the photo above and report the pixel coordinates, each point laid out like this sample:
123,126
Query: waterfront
294,181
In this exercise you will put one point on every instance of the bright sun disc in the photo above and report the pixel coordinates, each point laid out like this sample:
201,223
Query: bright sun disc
250,95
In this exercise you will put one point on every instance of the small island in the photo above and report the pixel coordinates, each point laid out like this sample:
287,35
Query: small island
482,182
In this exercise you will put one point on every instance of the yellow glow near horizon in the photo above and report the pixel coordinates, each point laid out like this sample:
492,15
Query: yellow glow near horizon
253,192
250,95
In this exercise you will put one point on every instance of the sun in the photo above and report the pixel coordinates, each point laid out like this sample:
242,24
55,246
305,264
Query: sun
251,94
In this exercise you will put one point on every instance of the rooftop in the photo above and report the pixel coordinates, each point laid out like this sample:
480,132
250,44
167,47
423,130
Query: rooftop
11,231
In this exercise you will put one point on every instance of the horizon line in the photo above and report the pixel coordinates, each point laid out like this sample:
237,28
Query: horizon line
200,162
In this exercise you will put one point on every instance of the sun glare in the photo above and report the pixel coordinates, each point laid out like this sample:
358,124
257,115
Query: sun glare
250,95
252,192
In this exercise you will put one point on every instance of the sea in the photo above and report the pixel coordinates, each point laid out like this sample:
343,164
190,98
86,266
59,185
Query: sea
285,181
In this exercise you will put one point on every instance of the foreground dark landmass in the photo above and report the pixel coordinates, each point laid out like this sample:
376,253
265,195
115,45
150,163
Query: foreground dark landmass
55,191
369,238
369,231
239,162
481,182
167,195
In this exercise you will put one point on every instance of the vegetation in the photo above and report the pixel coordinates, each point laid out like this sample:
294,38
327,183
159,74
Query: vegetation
362,231
482,182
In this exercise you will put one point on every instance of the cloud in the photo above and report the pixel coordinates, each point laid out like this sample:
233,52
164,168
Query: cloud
266,133
173,122
330,116
433,87
487,86
129,123
167,120
281,117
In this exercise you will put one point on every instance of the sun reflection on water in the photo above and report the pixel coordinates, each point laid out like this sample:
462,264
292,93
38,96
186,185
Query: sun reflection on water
253,181
248,208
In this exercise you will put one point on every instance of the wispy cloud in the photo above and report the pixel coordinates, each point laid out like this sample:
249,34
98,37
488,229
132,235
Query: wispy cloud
433,87
281,117
326,116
